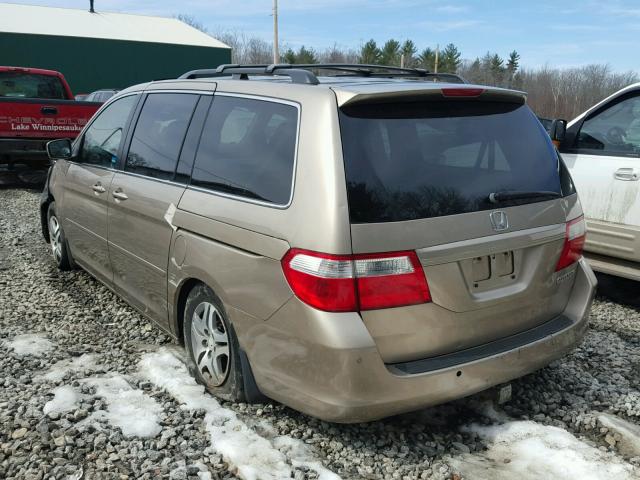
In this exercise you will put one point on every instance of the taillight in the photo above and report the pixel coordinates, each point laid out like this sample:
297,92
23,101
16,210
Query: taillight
573,243
349,283
462,92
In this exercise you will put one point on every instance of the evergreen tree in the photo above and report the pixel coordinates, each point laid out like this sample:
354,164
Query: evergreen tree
514,62
449,60
512,67
306,55
427,59
496,67
390,53
370,53
289,56
409,51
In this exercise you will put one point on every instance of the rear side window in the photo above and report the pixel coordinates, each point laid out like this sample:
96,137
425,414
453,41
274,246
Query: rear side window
30,85
159,133
248,149
429,159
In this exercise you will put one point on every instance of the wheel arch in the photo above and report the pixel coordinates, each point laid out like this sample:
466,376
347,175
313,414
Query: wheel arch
182,292
250,387
46,200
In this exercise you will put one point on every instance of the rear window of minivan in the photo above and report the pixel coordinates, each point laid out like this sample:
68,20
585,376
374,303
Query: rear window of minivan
407,161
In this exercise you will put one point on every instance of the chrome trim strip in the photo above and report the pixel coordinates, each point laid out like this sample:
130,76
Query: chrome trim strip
145,177
295,158
90,165
455,251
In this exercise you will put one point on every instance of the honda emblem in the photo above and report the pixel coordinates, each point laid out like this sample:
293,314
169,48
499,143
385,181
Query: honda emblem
499,220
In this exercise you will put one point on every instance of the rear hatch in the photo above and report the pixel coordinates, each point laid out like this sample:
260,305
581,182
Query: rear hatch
420,171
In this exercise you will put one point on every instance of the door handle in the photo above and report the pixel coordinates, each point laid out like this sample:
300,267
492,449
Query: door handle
626,174
119,195
49,110
98,188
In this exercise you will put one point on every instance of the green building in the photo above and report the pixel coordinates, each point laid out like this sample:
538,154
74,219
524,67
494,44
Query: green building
103,50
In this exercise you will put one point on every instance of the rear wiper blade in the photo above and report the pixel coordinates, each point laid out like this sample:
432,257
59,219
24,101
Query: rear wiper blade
506,195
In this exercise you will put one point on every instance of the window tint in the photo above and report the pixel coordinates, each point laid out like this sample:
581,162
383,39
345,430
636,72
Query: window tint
160,130
103,137
30,85
248,148
616,129
421,160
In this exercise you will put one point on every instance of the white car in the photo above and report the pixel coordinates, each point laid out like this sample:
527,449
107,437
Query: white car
601,149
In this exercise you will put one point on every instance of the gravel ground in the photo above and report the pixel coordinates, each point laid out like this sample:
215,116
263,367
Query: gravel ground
80,398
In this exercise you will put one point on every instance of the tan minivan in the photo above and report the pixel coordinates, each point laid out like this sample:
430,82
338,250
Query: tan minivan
353,245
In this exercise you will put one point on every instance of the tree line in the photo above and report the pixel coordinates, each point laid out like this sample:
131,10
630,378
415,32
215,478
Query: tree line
552,92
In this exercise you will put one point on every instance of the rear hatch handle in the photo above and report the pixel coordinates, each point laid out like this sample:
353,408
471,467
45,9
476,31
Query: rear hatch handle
48,110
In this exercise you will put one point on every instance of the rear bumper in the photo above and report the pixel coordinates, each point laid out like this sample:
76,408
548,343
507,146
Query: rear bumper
327,365
23,150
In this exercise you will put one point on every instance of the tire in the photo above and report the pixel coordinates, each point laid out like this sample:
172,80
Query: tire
212,345
57,240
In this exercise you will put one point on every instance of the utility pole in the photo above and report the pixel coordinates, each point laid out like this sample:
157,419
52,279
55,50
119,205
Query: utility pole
437,55
402,60
276,52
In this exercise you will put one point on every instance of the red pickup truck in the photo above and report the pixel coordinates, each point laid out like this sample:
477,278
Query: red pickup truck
37,106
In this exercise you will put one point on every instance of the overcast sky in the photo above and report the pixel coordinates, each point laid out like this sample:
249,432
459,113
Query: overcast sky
560,33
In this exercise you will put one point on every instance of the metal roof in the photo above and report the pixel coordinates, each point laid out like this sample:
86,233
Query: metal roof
69,22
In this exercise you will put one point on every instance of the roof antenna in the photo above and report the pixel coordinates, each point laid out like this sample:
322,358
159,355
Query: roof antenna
91,7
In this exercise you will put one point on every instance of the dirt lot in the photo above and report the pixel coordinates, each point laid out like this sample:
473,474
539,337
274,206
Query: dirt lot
90,389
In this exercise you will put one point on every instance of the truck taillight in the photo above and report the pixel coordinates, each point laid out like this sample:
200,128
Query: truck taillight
350,283
573,243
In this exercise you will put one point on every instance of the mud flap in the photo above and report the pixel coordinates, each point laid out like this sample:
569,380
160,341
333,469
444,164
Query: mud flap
251,390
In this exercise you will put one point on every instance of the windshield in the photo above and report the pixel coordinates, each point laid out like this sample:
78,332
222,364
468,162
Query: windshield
429,159
30,85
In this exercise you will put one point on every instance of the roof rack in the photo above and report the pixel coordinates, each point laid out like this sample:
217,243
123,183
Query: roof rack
303,73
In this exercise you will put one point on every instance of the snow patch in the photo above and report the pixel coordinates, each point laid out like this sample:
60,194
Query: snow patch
65,399
35,344
253,456
301,456
137,414
57,372
527,450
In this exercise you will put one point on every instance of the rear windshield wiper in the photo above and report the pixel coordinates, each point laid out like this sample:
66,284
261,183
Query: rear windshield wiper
506,195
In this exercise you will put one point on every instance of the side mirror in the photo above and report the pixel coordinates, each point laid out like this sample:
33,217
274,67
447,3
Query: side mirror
558,131
59,149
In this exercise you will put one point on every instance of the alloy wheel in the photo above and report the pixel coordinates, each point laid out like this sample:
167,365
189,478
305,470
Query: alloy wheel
54,235
210,343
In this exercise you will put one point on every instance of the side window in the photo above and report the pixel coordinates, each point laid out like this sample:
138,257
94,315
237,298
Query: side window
615,130
248,149
160,130
103,137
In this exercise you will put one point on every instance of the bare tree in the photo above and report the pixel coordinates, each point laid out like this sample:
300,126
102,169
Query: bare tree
191,21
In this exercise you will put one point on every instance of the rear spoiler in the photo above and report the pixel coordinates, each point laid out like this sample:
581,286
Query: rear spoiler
410,93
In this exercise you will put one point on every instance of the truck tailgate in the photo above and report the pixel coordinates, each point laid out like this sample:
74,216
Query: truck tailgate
34,118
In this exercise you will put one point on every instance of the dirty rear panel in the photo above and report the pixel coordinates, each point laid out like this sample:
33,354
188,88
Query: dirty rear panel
419,175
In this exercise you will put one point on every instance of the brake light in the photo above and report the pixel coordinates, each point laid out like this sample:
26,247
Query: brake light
350,283
462,92
573,243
